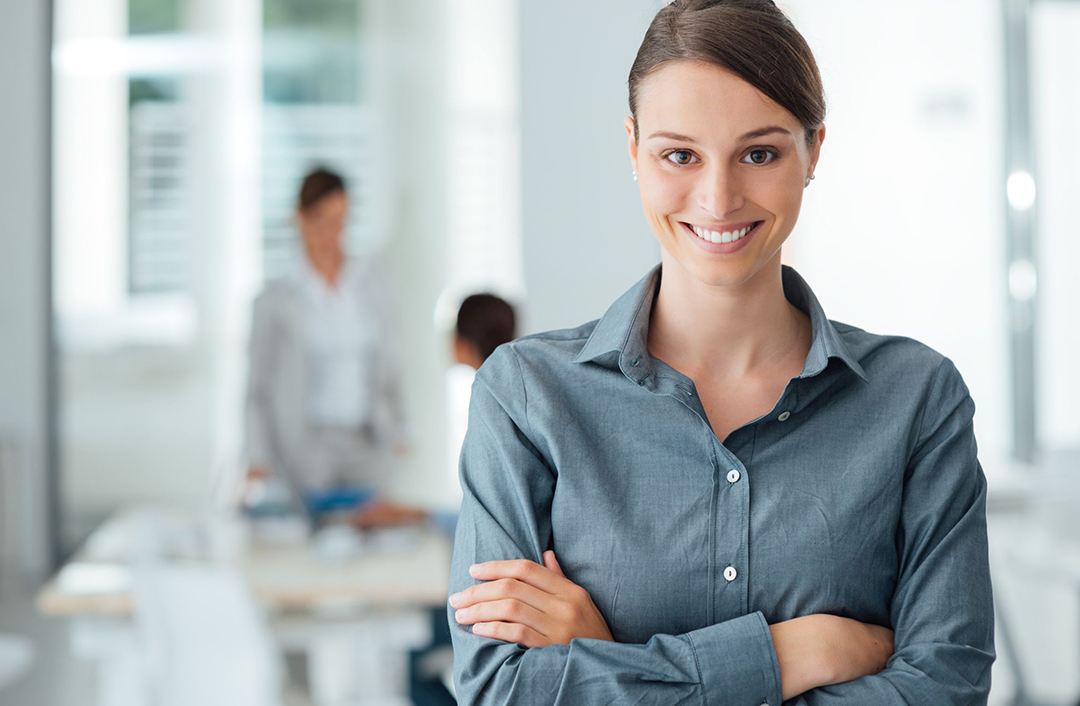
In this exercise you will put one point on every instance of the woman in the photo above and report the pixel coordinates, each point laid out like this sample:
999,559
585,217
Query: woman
714,494
323,396
484,322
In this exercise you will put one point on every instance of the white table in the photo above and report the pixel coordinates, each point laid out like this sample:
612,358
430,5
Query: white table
356,617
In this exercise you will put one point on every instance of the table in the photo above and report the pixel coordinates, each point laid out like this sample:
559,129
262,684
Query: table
355,616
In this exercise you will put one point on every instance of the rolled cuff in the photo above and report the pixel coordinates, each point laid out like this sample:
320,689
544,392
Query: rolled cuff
737,663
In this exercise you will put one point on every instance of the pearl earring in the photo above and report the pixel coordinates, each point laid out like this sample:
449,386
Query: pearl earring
635,175
808,180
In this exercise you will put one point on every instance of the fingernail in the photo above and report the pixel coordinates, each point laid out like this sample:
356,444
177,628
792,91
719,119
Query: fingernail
474,568
454,599
459,615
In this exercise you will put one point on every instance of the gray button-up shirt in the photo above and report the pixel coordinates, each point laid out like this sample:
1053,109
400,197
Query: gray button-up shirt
859,494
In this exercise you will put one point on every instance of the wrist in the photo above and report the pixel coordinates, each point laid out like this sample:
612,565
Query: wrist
803,654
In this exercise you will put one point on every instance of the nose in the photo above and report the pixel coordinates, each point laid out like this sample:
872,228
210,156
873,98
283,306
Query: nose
720,192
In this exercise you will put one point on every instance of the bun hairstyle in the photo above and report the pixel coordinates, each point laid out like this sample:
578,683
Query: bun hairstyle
752,39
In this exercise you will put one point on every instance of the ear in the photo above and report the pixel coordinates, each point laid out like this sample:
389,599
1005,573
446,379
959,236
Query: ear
628,123
815,153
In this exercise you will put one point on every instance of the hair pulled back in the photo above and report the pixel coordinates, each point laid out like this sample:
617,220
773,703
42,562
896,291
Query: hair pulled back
317,185
486,321
753,39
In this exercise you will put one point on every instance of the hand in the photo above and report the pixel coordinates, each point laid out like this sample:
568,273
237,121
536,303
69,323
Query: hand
383,513
521,601
818,650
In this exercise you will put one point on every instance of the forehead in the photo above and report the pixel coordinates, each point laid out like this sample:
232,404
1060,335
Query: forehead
331,204
706,102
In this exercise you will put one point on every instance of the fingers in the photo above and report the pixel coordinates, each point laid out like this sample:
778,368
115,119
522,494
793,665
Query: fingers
521,569
505,611
511,632
501,589
552,564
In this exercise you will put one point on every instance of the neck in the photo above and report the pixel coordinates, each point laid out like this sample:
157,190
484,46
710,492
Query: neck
725,332
328,266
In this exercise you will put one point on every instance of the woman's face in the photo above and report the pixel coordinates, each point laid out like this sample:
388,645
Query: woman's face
323,225
717,159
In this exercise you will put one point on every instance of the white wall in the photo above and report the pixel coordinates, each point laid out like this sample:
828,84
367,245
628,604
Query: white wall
585,238
902,232
24,174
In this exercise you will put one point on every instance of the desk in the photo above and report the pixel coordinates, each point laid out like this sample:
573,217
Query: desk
369,609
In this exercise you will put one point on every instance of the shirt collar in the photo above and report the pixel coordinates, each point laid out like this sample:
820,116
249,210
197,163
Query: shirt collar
313,282
621,335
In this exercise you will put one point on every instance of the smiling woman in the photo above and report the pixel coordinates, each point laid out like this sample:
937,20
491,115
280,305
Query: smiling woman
714,494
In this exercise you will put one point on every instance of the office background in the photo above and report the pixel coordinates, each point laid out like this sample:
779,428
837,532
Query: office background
150,150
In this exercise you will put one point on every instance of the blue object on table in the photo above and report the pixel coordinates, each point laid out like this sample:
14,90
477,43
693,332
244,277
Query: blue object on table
321,502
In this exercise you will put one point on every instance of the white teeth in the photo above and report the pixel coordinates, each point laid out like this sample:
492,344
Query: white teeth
725,237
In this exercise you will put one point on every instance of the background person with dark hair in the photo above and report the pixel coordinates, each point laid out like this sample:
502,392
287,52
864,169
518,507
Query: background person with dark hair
484,322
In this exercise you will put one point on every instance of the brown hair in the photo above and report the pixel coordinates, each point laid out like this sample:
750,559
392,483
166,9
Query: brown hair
751,38
486,321
317,186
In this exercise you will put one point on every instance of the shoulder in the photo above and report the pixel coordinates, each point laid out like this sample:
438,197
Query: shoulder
277,298
532,362
279,289
538,353
896,362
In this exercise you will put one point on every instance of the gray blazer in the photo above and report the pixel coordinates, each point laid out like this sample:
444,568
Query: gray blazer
278,431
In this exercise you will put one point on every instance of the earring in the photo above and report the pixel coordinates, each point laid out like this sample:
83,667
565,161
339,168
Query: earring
808,180
635,175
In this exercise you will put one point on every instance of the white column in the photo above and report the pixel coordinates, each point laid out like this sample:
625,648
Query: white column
24,297
226,209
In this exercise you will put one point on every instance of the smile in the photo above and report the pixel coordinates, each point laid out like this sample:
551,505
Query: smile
723,234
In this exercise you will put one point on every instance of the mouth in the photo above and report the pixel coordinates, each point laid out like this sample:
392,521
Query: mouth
723,235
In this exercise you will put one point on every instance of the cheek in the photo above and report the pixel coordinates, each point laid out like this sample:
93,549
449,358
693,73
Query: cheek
780,192
662,194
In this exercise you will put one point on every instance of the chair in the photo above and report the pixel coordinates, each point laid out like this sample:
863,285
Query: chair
16,656
206,641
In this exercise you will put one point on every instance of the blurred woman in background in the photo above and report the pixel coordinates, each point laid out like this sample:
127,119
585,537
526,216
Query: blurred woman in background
324,401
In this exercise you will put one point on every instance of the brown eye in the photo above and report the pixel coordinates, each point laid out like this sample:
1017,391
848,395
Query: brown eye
760,156
680,157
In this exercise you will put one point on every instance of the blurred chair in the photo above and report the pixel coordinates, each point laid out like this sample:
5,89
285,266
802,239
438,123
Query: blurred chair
16,656
205,638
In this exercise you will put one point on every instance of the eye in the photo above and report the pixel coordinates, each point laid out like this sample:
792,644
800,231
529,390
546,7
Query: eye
761,155
680,157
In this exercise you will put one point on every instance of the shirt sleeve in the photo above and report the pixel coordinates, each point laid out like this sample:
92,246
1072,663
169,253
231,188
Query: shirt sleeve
507,489
942,610
260,364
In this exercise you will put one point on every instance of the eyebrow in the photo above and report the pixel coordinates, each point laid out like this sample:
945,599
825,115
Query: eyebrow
760,132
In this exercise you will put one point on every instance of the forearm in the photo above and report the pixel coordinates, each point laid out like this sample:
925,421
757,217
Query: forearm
944,675
731,662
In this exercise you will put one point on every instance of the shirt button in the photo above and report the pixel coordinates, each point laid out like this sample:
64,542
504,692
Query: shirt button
730,573
733,476
783,416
